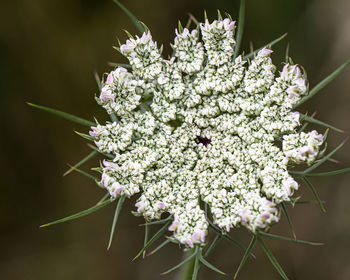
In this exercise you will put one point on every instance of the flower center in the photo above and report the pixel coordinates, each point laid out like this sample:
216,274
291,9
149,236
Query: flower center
203,140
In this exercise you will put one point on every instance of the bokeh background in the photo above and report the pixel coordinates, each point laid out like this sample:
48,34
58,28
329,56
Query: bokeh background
48,53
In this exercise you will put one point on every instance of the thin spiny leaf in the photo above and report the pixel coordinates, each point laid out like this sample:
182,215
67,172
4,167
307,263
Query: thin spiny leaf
196,266
110,156
289,239
330,173
245,256
212,245
84,173
192,17
209,265
313,190
115,64
160,222
98,80
165,242
287,53
85,136
284,209
80,214
131,16
155,237
63,115
147,229
272,258
115,219
315,121
317,164
241,19
249,55
81,162
323,83
107,195
188,24
181,263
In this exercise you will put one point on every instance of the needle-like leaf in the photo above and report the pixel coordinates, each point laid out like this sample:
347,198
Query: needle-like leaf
245,256
182,263
317,164
80,214
135,21
315,121
272,258
209,265
84,173
155,237
313,190
85,136
115,219
147,229
284,209
196,266
323,83
330,173
81,162
213,244
289,239
241,19
160,222
63,115
251,54
165,242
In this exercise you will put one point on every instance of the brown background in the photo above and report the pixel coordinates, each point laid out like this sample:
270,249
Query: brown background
48,52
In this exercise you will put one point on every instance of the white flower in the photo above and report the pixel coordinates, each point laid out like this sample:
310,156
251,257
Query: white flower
201,126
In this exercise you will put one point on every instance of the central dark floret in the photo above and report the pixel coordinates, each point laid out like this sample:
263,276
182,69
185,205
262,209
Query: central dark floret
203,140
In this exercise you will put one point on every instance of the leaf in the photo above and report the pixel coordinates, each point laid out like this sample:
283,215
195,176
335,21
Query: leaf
102,153
84,173
241,19
245,256
80,214
98,81
284,209
165,242
196,267
196,22
315,121
317,164
209,265
323,83
249,55
313,190
330,173
85,136
181,263
272,258
158,222
63,115
147,228
154,238
115,219
131,16
114,64
213,244
103,198
81,162
289,239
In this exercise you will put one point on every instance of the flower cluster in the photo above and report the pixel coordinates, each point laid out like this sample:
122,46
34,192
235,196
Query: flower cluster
203,128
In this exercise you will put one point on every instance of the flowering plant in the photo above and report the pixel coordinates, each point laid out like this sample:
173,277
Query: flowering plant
208,137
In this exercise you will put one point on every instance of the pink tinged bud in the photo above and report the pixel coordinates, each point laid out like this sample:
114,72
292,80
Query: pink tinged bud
196,236
189,243
173,227
265,216
296,116
284,73
146,37
264,52
110,78
118,190
161,205
186,32
300,82
106,96
127,48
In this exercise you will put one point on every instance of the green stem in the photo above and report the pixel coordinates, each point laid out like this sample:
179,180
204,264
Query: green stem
187,269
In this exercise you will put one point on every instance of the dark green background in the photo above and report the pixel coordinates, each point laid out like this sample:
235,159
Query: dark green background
48,53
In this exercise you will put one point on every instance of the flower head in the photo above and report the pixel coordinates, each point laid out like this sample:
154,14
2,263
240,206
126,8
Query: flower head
203,127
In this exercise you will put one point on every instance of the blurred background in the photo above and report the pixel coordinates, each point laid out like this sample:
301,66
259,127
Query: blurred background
48,53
